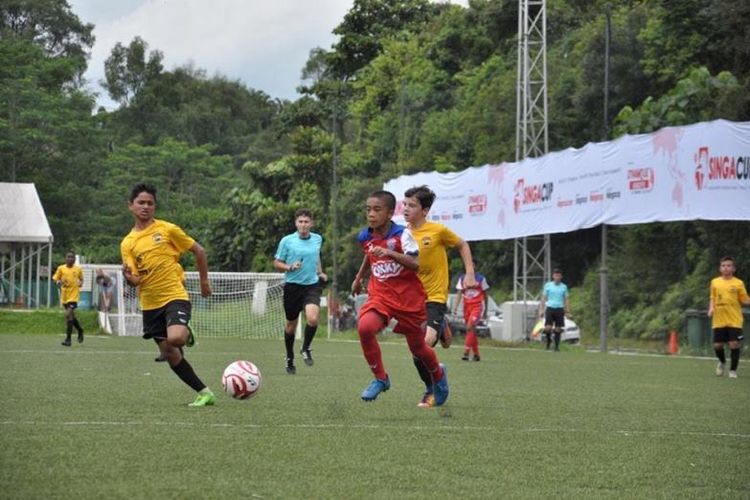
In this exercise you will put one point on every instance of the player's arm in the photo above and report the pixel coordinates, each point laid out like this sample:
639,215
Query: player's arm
406,260
357,283
567,305
319,270
711,302
464,251
201,262
542,304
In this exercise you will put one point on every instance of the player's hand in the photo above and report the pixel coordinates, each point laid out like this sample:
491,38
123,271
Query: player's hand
323,276
469,281
205,289
379,251
295,266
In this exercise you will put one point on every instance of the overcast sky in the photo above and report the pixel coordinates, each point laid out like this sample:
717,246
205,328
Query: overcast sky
263,43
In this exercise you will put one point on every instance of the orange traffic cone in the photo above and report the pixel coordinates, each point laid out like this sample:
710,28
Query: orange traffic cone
673,347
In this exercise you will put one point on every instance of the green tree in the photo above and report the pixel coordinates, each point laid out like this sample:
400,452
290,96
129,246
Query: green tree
128,69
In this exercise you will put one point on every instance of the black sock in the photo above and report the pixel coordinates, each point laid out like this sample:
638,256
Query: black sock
557,340
424,373
720,355
549,338
735,357
68,329
309,334
187,375
77,325
289,342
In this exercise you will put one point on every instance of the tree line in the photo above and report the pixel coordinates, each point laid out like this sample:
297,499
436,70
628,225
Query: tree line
409,86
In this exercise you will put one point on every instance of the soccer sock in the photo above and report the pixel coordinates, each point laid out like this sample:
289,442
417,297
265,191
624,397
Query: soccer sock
289,343
368,327
77,325
735,357
424,373
720,354
309,335
548,334
68,329
471,339
420,350
557,339
187,375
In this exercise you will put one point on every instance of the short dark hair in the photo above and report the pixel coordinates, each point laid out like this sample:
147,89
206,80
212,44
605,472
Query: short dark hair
424,194
557,270
70,252
727,258
303,212
140,188
385,196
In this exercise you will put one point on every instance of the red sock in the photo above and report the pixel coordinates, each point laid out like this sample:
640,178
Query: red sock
420,350
472,342
369,326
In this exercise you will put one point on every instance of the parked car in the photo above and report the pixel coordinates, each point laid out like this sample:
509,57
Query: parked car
456,321
571,334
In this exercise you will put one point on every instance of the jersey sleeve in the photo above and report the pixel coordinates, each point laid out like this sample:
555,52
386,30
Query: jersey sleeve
58,274
742,293
460,283
180,239
281,251
79,274
127,257
448,237
485,285
408,243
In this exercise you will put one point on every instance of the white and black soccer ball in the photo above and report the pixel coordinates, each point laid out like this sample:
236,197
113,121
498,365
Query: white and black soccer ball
241,380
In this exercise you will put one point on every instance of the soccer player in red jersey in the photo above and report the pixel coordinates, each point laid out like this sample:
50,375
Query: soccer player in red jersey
394,292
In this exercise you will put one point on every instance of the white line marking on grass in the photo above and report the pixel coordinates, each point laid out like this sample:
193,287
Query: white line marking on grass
428,428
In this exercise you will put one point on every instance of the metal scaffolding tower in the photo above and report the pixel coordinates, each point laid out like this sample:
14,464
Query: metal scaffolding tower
531,256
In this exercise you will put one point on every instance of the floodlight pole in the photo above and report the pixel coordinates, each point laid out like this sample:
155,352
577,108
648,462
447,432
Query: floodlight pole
531,255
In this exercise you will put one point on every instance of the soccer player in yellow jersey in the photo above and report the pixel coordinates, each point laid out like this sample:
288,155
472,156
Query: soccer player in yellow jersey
150,254
434,239
69,279
727,294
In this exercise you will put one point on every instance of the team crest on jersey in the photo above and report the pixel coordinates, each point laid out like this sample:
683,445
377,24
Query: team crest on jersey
426,241
157,237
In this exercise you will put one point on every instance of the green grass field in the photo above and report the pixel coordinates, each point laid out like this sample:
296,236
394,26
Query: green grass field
103,420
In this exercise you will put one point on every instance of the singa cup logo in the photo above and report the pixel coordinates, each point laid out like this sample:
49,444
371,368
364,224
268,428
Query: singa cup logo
534,194
720,170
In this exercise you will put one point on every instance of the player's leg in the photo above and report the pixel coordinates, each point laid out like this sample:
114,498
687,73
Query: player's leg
76,324
293,303
735,341
312,315
471,331
370,323
548,322
435,318
68,324
720,337
559,325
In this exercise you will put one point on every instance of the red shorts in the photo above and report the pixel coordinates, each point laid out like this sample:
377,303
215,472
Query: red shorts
409,322
472,313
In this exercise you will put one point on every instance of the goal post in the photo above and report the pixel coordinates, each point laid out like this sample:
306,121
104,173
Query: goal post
244,305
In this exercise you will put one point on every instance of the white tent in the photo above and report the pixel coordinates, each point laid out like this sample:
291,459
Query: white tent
24,236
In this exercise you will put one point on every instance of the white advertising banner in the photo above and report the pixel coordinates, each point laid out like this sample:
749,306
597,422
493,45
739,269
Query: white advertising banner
700,171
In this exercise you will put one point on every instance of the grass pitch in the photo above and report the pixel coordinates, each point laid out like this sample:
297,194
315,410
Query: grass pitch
103,420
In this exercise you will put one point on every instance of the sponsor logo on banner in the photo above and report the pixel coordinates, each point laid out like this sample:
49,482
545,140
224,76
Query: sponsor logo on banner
533,196
596,196
720,171
477,204
641,179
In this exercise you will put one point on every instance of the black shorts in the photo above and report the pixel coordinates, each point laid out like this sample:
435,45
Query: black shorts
554,316
727,334
297,296
70,305
436,316
156,321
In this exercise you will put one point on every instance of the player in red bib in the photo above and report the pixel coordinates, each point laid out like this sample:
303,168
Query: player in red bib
394,292
475,309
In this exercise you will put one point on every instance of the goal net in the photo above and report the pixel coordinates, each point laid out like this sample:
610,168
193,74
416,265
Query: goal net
245,305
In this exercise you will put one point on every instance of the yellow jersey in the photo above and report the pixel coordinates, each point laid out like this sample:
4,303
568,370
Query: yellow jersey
72,278
153,254
726,295
433,239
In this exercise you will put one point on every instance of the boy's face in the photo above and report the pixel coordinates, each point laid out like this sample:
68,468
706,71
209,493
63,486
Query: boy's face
304,224
557,277
413,211
378,213
70,259
143,206
726,268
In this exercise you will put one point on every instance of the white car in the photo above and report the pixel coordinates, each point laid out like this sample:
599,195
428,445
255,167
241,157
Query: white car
456,321
571,334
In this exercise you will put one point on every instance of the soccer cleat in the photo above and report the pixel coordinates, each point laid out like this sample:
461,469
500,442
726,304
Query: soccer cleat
160,358
428,400
290,368
80,337
207,399
465,357
66,342
476,357
719,369
375,388
440,389
191,338
307,356
732,373
446,336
